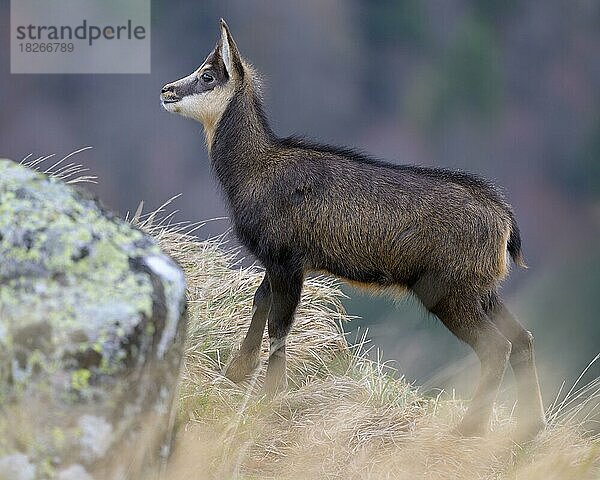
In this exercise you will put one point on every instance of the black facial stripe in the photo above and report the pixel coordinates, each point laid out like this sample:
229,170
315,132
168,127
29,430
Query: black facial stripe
193,84
186,87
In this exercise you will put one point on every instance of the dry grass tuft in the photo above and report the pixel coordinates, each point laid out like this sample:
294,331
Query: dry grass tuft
345,416
68,172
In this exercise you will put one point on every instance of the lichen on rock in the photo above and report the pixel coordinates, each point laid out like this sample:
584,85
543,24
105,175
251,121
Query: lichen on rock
91,329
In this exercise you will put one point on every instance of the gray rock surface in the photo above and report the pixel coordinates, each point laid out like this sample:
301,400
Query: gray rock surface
74,472
92,323
16,467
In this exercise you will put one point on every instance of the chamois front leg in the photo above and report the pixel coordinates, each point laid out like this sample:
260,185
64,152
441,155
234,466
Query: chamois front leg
247,359
286,287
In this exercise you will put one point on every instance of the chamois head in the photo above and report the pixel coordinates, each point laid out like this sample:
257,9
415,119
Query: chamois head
205,93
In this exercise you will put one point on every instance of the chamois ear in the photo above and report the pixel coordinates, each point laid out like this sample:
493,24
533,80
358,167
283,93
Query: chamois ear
229,53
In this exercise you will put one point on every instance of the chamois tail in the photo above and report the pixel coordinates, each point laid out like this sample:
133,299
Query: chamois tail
514,243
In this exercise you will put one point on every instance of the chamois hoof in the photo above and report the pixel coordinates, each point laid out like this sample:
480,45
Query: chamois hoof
271,391
528,429
275,384
470,427
241,367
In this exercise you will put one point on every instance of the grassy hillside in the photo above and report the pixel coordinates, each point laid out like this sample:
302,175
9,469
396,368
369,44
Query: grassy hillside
344,417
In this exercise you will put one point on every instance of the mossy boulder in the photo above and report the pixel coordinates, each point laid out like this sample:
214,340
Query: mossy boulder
92,323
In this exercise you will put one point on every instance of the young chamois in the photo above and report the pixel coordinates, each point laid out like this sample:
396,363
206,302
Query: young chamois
302,207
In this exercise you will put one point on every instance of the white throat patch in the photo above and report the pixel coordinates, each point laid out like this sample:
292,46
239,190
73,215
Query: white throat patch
207,108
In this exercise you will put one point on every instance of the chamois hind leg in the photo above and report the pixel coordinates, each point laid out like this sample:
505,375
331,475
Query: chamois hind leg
286,287
530,410
465,318
247,359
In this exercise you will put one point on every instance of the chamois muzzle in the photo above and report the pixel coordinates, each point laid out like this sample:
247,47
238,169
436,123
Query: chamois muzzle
168,95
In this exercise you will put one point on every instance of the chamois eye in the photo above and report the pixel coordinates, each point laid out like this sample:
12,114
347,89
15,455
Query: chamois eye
207,77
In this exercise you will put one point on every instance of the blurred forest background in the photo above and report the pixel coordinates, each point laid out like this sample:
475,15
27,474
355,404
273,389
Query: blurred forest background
506,89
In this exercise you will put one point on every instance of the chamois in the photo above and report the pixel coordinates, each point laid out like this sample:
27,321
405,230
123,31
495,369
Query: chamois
302,207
